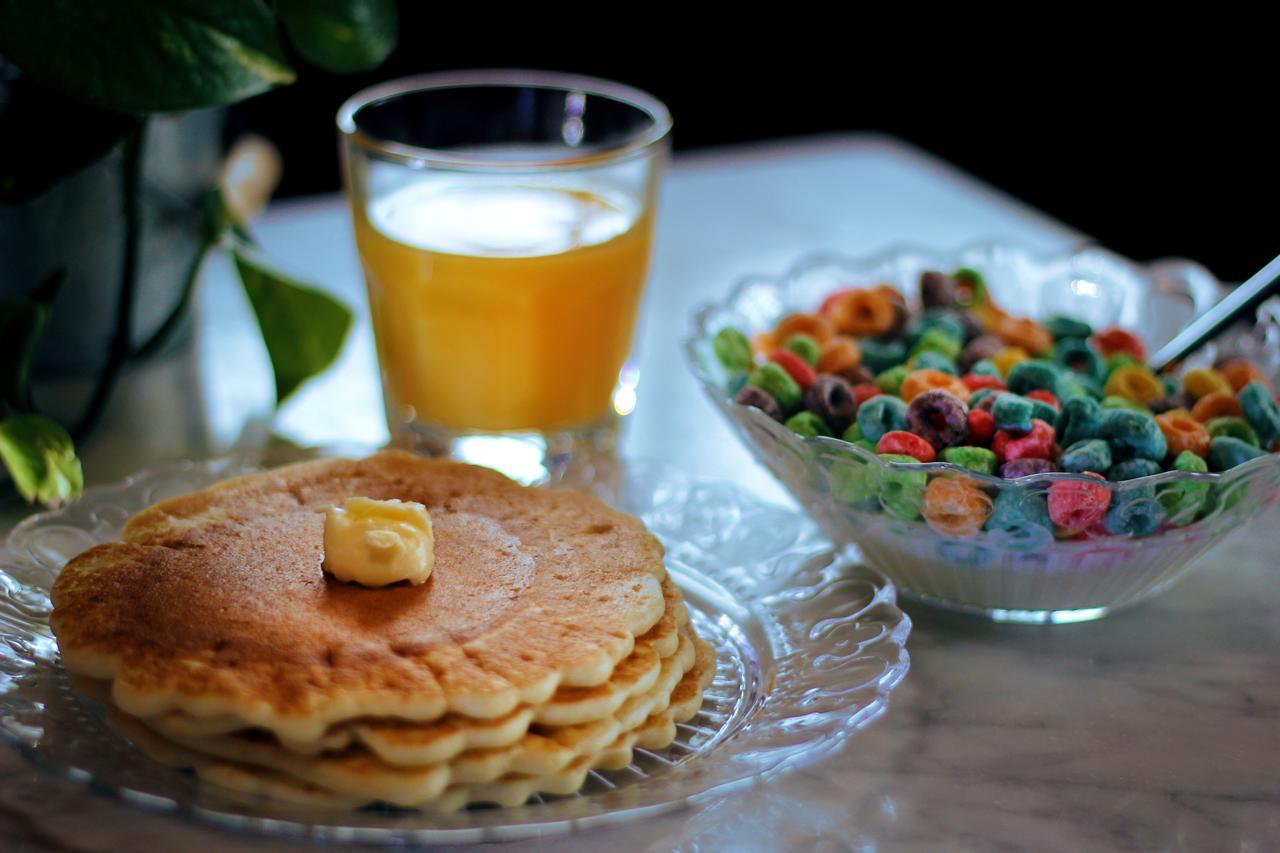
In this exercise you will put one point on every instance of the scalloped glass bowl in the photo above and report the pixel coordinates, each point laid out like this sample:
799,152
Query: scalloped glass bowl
1024,574
808,647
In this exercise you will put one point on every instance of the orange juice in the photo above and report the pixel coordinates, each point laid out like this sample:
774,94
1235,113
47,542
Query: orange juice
501,307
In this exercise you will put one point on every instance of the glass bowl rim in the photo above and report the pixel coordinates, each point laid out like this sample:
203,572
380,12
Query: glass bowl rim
419,157
701,333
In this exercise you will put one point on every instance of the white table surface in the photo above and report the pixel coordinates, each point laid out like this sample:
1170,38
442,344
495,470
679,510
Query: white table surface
1157,728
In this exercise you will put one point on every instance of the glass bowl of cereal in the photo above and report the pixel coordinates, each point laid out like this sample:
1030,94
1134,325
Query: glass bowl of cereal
980,424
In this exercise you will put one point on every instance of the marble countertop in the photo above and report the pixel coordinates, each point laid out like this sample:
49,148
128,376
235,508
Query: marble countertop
1155,728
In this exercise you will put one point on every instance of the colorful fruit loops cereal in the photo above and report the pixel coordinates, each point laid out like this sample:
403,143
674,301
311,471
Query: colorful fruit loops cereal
973,393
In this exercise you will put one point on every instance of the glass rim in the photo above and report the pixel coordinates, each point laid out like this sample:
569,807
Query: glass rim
419,156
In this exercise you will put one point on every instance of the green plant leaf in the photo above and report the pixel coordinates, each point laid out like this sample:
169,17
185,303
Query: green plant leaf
45,137
146,56
342,36
22,324
41,459
303,328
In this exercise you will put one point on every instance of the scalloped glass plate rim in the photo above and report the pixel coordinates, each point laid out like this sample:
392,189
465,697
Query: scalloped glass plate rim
894,635
701,332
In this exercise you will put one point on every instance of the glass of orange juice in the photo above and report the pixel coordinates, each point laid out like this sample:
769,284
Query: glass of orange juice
504,222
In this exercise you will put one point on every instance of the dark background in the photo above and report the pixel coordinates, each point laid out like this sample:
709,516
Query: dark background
1162,151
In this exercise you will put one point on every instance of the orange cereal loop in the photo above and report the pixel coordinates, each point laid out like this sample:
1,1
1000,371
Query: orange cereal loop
1025,333
1215,405
1136,383
1007,358
862,313
763,343
899,302
917,382
955,507
838,354
818,328
1205,380
1240,372
1183,432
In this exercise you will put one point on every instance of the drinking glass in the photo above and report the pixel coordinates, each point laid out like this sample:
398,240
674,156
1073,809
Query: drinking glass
504,222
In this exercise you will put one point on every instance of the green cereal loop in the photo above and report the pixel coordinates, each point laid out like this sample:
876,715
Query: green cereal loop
779,385
986,367
1067,327
1132,434
939,341
1077,356
890,381
1133,512
1035,374
881,414
977,459
1226,452
932,360
1080,418
1014,412
1116,402
804,346
1089,454
807,424
732,349
853,434
1234,427
866,445
855,483
901,492
1261,411
1132,469
976,283
879,354
1183,499
1117,360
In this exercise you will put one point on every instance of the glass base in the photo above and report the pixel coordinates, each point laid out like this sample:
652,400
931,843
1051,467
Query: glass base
1015,617
579,456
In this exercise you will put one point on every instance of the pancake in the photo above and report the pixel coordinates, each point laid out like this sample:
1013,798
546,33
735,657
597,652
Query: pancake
411,743
215,604
505,776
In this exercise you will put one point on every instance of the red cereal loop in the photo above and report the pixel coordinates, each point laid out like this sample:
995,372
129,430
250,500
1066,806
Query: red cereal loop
906,443
981,426
1044,397
1076,506
799,369
1037,444
978,381
1115,339
865,391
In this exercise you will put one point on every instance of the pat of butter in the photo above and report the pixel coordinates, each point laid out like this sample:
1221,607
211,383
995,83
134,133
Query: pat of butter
376,543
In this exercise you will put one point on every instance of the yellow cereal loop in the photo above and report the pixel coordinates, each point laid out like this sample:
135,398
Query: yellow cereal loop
1205,380
1007,358
1135,383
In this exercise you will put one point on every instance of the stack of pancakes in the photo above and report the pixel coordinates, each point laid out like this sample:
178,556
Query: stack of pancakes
548,641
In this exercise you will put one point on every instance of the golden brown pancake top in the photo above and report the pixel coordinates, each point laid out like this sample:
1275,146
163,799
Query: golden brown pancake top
216,602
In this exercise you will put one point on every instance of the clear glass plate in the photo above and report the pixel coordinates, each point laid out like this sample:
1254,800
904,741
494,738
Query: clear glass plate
809,646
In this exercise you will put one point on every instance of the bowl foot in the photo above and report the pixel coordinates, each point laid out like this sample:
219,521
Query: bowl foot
1016,617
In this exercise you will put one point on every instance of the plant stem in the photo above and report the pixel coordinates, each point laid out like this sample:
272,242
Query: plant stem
121,343
162,335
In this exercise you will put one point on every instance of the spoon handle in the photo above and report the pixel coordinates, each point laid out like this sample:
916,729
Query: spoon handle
1238,303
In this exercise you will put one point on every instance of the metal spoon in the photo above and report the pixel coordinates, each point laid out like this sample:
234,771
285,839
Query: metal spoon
1238,303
